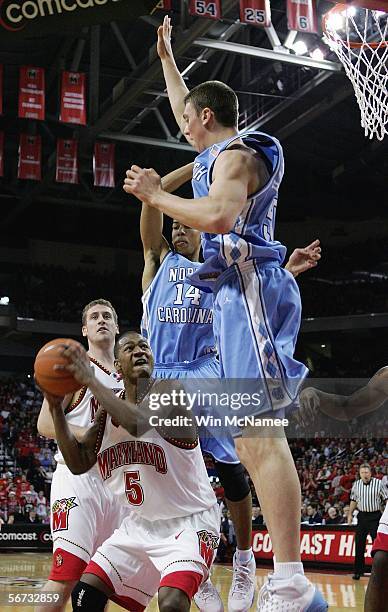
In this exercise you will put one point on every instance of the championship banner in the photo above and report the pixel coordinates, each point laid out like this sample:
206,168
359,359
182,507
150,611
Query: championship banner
73,98
30,154
104,164
255,12
67,161
205,8
20,19
335,546
302,16
1,153
31,93
1,89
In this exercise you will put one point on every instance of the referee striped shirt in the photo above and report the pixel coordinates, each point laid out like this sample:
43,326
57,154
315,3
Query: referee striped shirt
369,497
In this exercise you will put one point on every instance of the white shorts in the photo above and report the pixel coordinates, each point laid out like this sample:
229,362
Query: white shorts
140,554
83,515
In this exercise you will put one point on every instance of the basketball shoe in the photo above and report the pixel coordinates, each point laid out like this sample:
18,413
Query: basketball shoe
207,598
242,590
296,594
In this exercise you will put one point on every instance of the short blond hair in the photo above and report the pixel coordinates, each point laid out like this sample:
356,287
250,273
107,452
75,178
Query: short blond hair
103,302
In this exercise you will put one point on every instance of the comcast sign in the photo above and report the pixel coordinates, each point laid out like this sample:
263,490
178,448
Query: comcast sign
45,16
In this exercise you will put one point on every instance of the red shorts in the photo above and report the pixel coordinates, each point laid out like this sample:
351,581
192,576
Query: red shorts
380,543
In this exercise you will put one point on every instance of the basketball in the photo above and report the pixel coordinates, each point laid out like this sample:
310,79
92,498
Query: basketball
57,382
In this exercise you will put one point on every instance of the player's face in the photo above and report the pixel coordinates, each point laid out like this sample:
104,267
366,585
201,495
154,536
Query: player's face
185,240
194,128
100,326
135,359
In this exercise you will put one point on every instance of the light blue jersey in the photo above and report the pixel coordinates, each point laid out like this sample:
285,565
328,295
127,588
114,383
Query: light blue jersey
177,318
256,305
252,236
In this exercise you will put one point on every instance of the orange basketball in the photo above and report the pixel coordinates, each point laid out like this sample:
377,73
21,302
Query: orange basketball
57,382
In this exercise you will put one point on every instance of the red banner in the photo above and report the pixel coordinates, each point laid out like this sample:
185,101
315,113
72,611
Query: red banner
164,5
255,12
205,8
30,157
302,15
67,161
1,89
325,546
73,98
104,164
1,153
31,93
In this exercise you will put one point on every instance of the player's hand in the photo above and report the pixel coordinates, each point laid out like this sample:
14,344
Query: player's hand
143,183
304,259
163,46
79,364
54,401
309,404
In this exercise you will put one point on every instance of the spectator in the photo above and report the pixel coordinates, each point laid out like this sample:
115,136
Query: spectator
314,517
257,517
32,518
334,518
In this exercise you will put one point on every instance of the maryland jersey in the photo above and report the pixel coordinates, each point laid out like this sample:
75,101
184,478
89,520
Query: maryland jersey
177,318
153,477
252,236
82,412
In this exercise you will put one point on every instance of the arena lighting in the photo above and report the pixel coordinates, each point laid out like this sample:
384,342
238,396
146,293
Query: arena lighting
4,301
299,47
317,54
323,345
350,10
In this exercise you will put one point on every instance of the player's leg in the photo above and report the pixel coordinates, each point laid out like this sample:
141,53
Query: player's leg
90,593
239,502
173,600
72,527
266,305
377,592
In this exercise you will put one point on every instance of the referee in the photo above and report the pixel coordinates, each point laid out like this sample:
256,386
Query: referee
368,495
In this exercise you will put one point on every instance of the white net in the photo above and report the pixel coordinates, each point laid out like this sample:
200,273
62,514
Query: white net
359,38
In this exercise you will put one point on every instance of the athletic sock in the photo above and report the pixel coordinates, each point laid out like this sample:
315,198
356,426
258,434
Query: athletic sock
287,570
244,556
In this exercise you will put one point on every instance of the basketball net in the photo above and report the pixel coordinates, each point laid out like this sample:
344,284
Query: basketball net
358,36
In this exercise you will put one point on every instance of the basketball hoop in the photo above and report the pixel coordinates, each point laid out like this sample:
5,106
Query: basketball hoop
359,37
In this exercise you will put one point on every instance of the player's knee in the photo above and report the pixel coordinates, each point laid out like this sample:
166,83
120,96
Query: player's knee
173,600
234,480
87,597
380,567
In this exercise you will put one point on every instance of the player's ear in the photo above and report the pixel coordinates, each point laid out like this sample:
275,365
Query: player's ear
84,331
206,115
117,365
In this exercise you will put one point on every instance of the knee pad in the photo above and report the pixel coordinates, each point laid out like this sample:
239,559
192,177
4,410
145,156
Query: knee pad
86,597
233,479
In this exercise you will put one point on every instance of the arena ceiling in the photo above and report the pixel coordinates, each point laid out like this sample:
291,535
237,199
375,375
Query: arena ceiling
309,105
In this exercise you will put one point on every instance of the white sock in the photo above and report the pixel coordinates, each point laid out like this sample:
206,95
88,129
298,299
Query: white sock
244,556
287,570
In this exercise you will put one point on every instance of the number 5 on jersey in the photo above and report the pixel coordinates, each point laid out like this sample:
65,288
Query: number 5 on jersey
133,490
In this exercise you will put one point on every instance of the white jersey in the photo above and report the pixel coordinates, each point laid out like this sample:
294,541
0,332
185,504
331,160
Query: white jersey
158,479
82,412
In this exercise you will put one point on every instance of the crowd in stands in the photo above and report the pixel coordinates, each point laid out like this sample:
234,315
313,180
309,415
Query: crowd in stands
326,467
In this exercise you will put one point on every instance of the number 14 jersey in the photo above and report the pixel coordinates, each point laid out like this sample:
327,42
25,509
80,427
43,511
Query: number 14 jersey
177,317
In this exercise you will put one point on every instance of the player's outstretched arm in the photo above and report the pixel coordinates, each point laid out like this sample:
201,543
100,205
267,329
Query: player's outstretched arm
155,245
303,259
81,455
176,87
341,407
215,213
45,424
